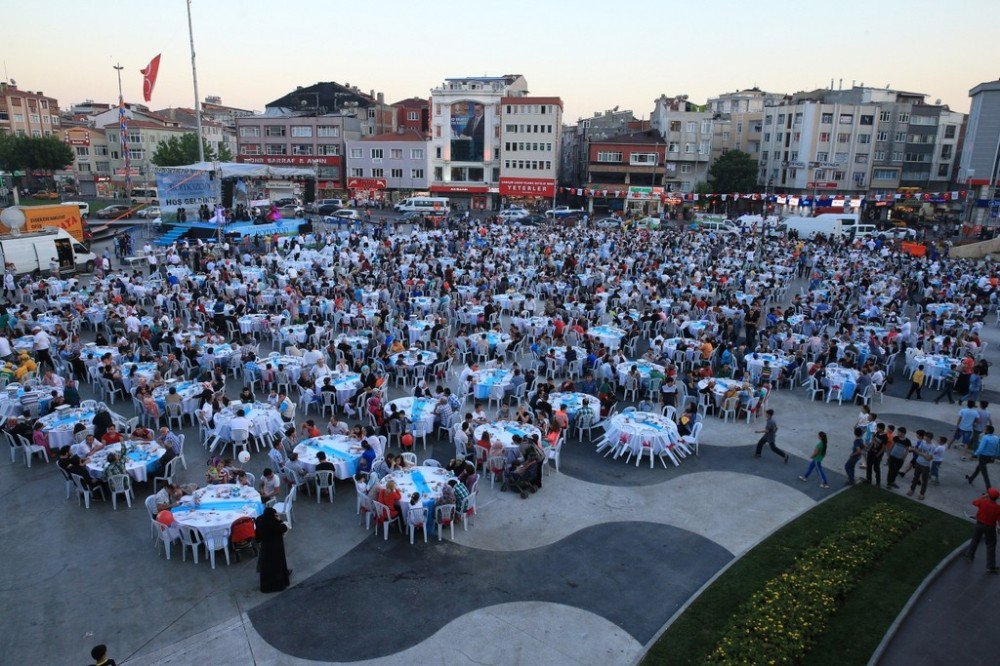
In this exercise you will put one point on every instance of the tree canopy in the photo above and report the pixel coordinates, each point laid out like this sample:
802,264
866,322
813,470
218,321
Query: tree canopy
27,153
183,149
734,171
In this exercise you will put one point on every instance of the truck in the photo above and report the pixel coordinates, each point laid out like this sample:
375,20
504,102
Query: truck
35,218
828,224
26,252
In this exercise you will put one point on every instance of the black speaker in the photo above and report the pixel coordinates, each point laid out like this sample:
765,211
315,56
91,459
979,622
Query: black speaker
228,188
309,193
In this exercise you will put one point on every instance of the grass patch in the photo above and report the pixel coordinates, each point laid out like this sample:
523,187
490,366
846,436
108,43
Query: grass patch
858,625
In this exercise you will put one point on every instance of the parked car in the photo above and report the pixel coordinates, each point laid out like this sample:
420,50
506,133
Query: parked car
286,201
562,211
148,213
347,214
291,210
648,223
315,206
45,194
608,223
327,209
113,211
513,213
531,220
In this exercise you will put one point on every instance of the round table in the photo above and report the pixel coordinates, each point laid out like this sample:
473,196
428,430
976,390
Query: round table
12,395
697,327
486,380
722,385
141,459
844,378
189,391
91,353
574,401
610,336
413,357
510,301
254,323
298,332
425,304
428,481
640,430
213,509
341,450
346,385
504,431
418,410
59,425
755,361
263,416
470,314
643,366
935,365
419,330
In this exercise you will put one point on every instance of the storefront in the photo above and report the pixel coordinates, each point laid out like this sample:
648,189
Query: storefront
366,190
527,192
465,197
644,201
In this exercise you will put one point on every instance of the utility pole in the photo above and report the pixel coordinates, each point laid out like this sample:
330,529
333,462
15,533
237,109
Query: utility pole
194,79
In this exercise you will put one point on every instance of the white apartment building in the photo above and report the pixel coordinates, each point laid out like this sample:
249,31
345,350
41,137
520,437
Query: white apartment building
686,129
530,145
744,101
465,137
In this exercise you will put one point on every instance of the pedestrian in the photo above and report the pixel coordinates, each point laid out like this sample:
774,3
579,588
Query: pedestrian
916,382
857,448
770,431
816,462
271,564
987,517
924,451
939,450
948,384
874,453
986,452
99,653
897,455
965,424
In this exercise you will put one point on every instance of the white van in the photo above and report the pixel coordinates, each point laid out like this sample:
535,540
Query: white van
82,205
829,224
35,250
437,205
144,195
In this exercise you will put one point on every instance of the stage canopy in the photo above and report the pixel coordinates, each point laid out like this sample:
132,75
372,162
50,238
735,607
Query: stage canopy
240,170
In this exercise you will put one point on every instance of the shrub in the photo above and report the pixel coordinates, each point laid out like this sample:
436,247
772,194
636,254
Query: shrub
779,623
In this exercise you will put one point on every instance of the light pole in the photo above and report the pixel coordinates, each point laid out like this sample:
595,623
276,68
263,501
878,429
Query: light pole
763,222
194,79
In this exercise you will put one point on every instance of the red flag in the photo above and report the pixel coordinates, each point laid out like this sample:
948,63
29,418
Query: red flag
149,78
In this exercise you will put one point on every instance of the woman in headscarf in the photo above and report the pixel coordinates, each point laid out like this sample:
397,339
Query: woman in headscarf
368,378
271,564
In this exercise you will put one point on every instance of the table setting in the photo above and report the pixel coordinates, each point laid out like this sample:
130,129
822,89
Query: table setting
635,431
141,459
341,450
486,380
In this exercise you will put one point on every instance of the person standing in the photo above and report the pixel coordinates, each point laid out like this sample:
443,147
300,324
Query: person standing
948,385
964,425
816,461
986,452
916,382
897,455
770,432
857,448
987,517
924,451
874,453
271,563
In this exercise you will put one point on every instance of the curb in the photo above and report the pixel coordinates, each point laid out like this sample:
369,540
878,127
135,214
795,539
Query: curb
708,583
890,633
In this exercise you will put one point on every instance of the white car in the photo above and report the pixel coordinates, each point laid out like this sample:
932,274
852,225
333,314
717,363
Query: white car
513,213
82,205
562,211
608,223
346,214
149,213
314,206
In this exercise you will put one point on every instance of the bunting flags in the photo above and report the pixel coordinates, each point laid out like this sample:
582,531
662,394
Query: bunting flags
827,199
149,77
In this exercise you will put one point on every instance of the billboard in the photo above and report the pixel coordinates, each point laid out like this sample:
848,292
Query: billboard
468,131
186,188
64,216
527,187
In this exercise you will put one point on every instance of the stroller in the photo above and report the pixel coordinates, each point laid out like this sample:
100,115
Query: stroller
519,479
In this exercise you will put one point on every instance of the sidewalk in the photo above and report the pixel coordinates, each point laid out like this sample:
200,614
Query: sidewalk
954,620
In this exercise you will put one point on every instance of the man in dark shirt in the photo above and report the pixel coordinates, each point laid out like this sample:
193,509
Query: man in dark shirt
901,445
324,464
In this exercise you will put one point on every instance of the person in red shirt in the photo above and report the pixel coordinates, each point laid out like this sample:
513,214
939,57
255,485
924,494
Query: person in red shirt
987,517
112,436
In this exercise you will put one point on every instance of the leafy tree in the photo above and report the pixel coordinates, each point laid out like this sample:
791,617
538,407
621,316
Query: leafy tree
224,153
29,153
181,150
733,172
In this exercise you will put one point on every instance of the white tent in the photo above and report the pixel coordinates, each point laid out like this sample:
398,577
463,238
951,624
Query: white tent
240,170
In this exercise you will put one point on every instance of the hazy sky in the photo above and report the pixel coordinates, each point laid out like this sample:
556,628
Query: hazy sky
595,55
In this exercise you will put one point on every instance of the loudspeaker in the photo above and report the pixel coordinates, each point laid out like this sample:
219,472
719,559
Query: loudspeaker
309,192
228,189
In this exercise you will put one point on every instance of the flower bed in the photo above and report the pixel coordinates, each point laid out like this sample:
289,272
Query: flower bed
779,623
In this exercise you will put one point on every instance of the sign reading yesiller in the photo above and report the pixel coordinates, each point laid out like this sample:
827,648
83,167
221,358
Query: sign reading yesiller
366,183
816,185
527,187
186,188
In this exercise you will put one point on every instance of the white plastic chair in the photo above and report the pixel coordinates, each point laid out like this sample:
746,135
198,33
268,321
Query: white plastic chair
692,439
364,505
729,409
168,473
82,491
162,534
217,541
324,481
416,518
409,457
444,515
555,453
31,449
285,508
120,484
585,423
384,517
190,538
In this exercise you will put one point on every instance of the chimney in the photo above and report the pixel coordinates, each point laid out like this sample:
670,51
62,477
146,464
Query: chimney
381,98
372,93
831,84
840,84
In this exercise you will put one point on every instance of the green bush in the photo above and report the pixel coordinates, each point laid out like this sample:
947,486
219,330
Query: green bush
779,623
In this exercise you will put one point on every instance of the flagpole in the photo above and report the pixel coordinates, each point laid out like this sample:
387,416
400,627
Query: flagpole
194,78
123,130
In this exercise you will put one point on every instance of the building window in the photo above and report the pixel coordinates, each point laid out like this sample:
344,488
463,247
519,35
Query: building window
18,117
949,131
250,149
274,130
838,175
861,158
846,118
946,152
276,149
643,159
412,115
34,118
843,137
917,157
944,171
879,155
897,156
822,156
416,153
82,151
867,120
826,119
768,120
689,148
781,119
101,151
840,158
685,168
609,156
798,118
377,154
824,137
706,127
884,116
83,167
692,127
356,153
884,174
328,149
437,155
378,173
437,132
301,149
302,132
904,117
357,172
395,153
705,147
864,138
901,137
328,131
858,177
882,135
371,113
673,147
416,174
675,126
137,154
395,173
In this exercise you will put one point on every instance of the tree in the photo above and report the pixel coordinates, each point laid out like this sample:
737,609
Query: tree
29,153
735,171
224,153
181,150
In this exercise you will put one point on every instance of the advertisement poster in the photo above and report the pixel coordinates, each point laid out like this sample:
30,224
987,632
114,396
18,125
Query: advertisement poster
468,131
186,188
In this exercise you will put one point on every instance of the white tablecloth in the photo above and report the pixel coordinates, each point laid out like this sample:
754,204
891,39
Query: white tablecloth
484,380
574,401
141,459
264,417
418,410
644,367
340,450
504,431
610,336
935,365
639,430
215,508
59,426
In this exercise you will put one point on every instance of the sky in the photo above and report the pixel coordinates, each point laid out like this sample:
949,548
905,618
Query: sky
594,55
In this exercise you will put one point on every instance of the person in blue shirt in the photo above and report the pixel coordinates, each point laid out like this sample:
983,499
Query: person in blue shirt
986,452
857,448
967,417
367,456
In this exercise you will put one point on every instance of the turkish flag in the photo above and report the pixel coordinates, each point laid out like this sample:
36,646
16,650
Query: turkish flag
149,77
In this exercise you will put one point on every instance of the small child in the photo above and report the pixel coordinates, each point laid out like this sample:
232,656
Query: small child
939,449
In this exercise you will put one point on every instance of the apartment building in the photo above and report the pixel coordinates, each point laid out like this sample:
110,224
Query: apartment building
387,166
465,142
27,113
978,170
687,130
530,144
574,155
413,113
749,100
92,167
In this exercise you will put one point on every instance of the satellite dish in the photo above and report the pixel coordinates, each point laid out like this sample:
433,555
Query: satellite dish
13,219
